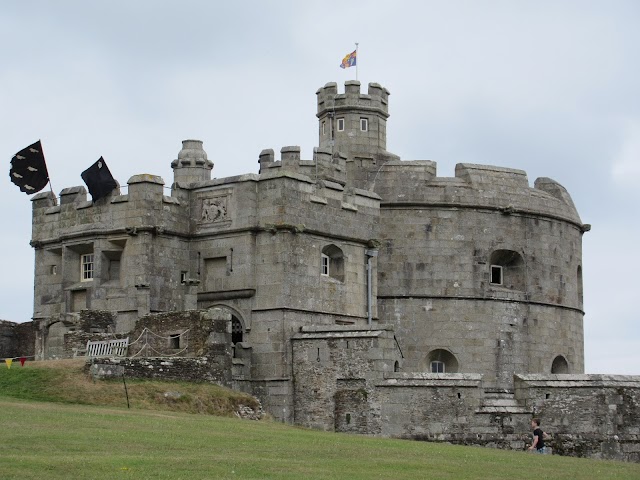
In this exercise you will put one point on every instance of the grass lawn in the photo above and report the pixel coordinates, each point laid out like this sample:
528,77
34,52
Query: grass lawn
62,441
59,424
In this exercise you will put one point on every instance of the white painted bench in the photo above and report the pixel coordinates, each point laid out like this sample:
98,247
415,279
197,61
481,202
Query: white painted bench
107,348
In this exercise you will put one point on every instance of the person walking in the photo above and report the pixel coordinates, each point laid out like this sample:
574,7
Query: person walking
538,437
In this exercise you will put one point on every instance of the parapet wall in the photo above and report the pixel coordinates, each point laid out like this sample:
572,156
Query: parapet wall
594,416
143,208
474,186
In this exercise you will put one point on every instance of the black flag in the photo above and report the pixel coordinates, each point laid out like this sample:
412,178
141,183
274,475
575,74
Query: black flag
99,180
29,170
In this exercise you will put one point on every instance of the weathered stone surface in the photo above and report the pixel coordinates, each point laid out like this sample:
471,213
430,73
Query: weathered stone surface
344,281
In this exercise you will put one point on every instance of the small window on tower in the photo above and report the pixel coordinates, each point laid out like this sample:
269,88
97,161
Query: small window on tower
183,277
341,124
323,127
54,270
496,274
364,124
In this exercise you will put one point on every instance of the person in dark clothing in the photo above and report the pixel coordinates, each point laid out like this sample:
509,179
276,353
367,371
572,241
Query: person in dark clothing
538,437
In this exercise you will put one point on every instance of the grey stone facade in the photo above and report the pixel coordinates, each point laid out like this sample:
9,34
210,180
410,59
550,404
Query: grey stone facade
354,280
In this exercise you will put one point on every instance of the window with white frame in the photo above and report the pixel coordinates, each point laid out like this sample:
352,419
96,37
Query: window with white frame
332,263
437,366
507,269
364,124
341,124
324,265
442,361
86,267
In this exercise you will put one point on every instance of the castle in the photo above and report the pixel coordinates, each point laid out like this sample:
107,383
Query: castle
357,292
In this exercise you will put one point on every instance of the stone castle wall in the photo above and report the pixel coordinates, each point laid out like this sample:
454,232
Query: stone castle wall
17,339
344,382
345,281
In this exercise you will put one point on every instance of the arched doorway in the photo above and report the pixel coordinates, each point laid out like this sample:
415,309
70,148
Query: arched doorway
54,343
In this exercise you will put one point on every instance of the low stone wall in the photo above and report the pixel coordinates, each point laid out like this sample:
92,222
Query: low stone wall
17,339
595,416
200,369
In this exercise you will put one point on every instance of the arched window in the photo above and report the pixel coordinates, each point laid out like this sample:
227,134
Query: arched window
332,263
507,269
559,365
396,366
442,361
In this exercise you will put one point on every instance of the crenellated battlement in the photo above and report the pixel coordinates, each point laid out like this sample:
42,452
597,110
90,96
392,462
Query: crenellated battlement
144,205
325,164
376,99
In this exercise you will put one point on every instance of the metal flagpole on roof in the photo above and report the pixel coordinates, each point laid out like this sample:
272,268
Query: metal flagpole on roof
356,61
50,184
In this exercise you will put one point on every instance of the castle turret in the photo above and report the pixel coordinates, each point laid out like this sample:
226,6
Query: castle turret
192,164
355,124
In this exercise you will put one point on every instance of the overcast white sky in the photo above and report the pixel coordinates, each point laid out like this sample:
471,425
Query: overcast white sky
550,87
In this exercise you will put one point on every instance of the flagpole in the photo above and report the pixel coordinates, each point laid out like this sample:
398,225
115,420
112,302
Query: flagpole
50,184
357,61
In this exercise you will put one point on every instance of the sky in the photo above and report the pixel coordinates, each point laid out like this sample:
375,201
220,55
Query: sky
549,87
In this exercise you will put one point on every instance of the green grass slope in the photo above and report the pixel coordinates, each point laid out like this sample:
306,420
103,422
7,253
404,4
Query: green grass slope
46,440
66,381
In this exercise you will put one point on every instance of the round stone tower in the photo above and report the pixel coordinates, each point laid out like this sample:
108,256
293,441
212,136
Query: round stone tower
192,164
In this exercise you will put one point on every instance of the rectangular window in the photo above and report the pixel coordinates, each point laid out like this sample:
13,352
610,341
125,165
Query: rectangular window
86,267
323,127
364,124
341,124
496,275
183,277
174,341
437,367
54,270
324,266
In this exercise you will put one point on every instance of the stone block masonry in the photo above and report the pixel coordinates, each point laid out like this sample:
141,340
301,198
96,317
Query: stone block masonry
351,291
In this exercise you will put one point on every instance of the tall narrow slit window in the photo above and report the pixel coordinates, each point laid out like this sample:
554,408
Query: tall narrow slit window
364,124
86,267
324,128
341,124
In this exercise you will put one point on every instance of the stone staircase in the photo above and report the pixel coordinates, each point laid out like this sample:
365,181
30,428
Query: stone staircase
501,401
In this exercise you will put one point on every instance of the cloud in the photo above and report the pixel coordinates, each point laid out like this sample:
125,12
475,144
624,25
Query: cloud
626,165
